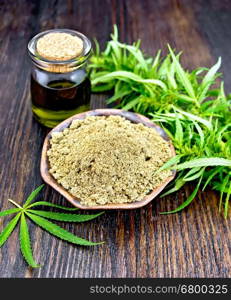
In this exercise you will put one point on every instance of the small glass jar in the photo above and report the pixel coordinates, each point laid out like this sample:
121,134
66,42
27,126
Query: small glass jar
59,88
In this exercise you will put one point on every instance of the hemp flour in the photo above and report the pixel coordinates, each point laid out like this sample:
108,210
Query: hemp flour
108,160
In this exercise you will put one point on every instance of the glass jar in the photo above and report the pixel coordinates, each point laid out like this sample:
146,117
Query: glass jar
59,88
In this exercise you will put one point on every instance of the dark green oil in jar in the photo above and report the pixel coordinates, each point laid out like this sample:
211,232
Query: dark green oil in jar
59,99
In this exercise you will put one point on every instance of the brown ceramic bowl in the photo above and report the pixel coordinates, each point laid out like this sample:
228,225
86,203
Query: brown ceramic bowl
135,118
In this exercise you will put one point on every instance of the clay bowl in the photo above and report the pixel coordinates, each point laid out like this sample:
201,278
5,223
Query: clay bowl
135,118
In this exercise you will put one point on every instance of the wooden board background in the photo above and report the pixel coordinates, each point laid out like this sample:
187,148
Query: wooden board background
139,243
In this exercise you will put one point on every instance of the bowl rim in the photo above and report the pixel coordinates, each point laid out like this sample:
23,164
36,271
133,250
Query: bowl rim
133,117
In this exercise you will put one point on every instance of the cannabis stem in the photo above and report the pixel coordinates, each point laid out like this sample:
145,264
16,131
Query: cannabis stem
16,204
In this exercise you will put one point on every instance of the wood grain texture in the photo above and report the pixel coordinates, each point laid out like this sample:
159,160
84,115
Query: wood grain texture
139,243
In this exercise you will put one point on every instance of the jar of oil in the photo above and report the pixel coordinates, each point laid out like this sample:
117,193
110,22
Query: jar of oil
60,86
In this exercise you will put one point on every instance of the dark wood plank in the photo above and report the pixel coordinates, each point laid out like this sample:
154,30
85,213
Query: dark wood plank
139,243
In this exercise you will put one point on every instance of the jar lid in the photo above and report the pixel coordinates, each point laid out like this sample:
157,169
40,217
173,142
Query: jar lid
59,50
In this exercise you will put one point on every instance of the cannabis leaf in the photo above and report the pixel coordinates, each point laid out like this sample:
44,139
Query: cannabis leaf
64,217
8,229
39,217
191,106
25,242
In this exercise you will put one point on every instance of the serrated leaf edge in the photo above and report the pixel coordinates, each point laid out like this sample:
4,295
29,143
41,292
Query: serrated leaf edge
25,243
62,233
63,217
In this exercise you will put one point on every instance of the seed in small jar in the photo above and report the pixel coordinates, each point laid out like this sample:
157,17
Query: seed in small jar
59,46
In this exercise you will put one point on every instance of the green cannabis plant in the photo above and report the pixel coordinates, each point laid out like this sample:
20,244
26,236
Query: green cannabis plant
191,106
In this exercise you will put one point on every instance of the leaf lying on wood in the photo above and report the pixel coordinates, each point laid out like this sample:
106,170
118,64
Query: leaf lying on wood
40,218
